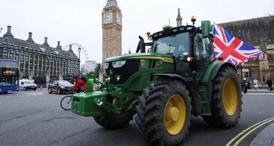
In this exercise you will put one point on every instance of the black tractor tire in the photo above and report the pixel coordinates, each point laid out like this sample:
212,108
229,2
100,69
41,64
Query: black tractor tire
114,121
152,112
225,112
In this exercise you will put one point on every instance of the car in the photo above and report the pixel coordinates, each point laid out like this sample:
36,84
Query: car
26,84
60,87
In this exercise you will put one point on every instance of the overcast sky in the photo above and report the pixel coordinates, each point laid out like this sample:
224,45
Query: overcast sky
79,21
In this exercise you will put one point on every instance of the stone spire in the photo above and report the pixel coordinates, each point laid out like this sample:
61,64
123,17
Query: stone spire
8,33
179,18
30,38
111,3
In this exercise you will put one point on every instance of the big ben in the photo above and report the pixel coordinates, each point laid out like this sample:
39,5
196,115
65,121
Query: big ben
112,30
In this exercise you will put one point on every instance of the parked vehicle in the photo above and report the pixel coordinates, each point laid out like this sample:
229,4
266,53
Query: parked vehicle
60,87
26,84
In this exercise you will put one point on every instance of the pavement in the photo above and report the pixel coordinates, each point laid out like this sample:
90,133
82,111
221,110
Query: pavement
265,137
35,118
259,91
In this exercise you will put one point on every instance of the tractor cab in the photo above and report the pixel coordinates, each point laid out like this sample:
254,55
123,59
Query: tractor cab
188,46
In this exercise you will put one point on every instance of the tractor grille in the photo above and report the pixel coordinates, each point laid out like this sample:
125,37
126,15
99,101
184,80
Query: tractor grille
120,75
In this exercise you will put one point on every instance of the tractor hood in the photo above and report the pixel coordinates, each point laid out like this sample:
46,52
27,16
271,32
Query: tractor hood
152,56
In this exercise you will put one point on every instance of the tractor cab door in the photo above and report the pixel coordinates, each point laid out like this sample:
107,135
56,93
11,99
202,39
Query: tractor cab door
182,66
202,53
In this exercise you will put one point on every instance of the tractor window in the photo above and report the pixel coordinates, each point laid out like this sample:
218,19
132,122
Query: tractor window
175,45
200,47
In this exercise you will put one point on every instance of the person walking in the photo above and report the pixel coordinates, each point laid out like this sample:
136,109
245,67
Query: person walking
269,84
256,85
244,85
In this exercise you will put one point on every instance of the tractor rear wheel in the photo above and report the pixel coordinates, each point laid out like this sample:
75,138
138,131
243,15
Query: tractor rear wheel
163,113
226,100
114,121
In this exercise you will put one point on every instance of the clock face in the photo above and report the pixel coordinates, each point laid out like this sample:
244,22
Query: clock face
119,19
107,18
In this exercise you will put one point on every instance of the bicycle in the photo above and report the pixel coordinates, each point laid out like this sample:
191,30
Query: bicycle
65,102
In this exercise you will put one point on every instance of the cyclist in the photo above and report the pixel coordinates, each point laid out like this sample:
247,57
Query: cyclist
79,84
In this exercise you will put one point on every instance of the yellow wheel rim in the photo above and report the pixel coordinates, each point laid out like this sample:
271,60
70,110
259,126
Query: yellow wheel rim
175,114
230,97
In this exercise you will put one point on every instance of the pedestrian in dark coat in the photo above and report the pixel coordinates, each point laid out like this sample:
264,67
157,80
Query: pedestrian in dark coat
269,84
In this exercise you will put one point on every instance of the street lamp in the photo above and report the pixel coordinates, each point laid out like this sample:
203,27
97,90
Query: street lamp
79,51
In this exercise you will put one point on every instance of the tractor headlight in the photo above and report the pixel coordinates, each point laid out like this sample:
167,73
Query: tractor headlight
118,78
118,64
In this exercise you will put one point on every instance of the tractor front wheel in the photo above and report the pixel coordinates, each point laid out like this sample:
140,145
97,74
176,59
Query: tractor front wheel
114,121
226,100
163,113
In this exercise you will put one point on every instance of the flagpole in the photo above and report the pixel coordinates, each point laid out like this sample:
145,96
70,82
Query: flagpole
241,67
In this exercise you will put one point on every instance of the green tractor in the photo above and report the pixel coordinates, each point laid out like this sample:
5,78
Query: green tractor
160,90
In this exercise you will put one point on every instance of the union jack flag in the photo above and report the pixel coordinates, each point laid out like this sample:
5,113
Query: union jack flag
230,49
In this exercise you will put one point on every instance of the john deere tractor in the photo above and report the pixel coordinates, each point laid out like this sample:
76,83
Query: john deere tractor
160,90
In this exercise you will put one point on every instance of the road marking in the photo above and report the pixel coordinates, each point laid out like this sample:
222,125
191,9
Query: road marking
244,136
247,131
33,93
241,133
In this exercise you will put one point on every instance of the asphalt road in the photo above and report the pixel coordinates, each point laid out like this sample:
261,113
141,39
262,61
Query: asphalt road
35,118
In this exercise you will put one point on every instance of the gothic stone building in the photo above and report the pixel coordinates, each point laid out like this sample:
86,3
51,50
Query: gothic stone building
258,32
38,60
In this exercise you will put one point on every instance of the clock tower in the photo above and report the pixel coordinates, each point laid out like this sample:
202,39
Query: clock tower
112,30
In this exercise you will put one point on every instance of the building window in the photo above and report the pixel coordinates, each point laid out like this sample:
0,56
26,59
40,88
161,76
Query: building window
5,53
1,52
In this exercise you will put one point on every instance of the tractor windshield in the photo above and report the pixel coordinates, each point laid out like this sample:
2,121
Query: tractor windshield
176,44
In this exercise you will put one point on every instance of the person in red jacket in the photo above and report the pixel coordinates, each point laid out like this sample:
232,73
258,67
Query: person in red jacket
79,85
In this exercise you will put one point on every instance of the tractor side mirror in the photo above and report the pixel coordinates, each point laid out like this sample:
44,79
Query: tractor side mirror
183,56
141,46
205,29
186,58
